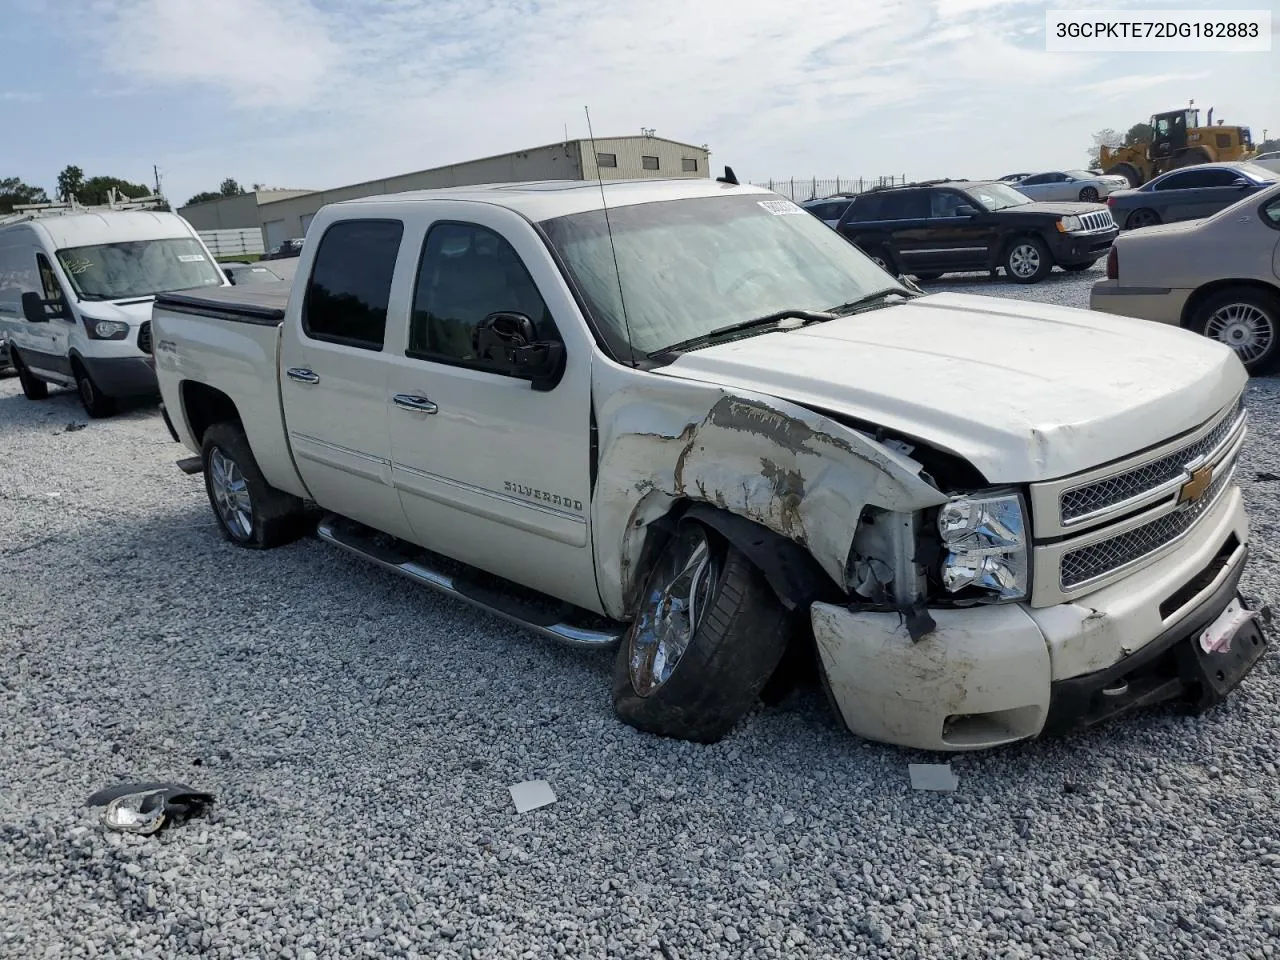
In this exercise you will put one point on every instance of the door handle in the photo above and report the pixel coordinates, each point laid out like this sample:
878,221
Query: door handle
302,375
409,401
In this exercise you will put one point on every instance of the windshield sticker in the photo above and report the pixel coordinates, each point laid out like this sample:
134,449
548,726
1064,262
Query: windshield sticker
780,208
191,258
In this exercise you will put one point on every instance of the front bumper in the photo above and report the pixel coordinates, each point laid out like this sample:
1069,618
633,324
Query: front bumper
1157,304
122,376
992,675
1082,247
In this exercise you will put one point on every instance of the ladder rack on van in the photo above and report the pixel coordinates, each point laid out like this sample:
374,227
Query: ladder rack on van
23,212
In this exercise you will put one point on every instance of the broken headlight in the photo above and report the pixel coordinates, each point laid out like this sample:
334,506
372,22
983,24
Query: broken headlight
984,546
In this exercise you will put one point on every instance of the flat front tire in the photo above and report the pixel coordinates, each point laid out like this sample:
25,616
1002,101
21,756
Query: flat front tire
707,635
250,512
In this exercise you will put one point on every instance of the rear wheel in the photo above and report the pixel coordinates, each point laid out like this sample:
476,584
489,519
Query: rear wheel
250,512
96,403
927,277
1089,195
32,388
707,635
1245,319
1077,267
1142,218
1028,260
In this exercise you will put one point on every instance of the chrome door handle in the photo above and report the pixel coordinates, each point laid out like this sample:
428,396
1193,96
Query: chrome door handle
302,375
409,401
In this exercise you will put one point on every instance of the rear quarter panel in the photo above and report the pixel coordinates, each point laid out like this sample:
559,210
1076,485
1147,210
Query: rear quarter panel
239,359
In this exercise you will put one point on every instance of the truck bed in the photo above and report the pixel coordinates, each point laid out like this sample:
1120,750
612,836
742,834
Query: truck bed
264,307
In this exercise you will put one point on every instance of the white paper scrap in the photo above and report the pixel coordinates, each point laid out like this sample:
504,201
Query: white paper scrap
532,794
932,776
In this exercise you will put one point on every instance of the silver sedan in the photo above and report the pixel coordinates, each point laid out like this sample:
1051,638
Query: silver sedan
1070,185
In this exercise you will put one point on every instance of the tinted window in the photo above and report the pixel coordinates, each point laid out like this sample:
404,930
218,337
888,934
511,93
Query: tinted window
1181,181
1038,178
1272,211
52,289
468,272
1219,178
945,203
351,283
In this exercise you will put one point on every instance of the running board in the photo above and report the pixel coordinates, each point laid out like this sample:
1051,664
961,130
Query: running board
558,625
191,465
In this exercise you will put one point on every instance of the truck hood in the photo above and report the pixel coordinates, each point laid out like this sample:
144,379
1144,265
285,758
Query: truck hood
1044,208
1023,391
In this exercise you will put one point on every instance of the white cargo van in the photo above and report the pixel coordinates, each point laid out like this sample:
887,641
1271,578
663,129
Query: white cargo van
75,297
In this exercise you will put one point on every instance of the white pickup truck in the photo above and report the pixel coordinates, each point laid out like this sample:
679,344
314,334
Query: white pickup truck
689,417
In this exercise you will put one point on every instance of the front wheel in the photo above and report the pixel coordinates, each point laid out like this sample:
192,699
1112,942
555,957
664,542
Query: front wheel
707,635
1028,260
96,403
1245,319
250,512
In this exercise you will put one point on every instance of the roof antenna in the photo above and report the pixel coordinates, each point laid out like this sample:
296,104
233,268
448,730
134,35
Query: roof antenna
622,300
729,177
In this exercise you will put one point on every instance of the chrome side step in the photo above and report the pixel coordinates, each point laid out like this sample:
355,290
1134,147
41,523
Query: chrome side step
335,530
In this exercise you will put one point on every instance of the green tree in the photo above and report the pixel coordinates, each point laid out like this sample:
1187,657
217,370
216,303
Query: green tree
1138,133
230,187
204,197
14,192
96,190
70,183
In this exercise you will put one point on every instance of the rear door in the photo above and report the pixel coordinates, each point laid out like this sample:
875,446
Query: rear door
1040,186
333,381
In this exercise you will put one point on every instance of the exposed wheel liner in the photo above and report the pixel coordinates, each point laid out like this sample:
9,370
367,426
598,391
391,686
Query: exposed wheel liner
733,653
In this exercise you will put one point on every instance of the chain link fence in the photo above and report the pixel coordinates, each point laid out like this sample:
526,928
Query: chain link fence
801,189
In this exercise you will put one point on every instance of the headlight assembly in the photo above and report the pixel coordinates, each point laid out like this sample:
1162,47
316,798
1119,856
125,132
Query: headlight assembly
106,329
1069,225
984,546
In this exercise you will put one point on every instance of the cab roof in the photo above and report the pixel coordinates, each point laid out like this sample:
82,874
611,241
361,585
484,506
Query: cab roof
546,199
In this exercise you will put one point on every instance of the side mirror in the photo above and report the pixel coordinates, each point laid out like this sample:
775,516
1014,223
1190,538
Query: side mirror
964,210
33,308
1240,182
510,341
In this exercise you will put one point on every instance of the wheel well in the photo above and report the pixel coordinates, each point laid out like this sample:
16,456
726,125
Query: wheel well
203,406
1217,286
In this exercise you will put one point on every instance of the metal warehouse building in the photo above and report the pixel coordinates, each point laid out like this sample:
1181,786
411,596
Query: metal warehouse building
614,158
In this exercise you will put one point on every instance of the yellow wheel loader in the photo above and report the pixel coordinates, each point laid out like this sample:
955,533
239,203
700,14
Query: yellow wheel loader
1177,140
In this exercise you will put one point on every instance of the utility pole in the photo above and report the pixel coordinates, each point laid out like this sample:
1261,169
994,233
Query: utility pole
156,170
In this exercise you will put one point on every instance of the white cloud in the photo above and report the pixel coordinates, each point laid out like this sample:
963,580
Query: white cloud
357,89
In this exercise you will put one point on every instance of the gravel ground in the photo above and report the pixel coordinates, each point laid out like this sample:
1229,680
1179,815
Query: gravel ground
360,735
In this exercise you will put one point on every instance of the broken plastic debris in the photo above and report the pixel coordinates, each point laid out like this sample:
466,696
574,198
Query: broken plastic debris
932,776
1217,638
532,794
144,808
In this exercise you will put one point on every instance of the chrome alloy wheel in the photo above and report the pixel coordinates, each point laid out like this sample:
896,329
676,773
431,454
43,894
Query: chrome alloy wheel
1024,260
675,598
1243,327
230,494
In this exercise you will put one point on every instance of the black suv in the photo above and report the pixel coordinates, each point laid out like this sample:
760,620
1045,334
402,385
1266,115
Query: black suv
952,226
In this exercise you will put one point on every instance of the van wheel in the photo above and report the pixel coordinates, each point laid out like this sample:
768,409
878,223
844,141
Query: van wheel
96,403
1027,260
32,388
250,512
707,635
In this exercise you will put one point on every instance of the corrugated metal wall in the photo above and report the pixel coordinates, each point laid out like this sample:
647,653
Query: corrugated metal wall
666,158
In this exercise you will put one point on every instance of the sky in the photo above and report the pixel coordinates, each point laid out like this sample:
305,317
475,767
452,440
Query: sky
310,94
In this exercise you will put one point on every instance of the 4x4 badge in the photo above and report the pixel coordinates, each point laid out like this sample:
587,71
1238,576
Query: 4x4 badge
1194,488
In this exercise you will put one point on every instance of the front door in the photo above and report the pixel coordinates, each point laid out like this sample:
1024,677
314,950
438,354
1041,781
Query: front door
491,471
333,381
46,347
959,239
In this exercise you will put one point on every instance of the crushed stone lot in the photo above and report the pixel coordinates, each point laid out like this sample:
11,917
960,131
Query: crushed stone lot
360,735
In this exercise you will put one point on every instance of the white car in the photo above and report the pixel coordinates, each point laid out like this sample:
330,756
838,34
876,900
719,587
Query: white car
1270,161
1069,185
75,298
994,522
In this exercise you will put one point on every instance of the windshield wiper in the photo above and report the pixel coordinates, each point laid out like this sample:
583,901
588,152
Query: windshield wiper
706,339
875,296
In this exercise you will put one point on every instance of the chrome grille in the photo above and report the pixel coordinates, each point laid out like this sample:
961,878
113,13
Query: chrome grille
1102,220
1099,559
1102,494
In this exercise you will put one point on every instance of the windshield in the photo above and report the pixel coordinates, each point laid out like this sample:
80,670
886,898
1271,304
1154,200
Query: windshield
688,267
137,268
1259,173
997,196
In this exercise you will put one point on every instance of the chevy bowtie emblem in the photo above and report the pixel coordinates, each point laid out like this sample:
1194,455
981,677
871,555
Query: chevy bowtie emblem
1194,488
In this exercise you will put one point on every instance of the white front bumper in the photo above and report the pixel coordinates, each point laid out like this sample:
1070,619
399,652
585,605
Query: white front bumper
984,676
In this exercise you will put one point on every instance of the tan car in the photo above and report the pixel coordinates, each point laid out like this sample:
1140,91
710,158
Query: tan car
1219,276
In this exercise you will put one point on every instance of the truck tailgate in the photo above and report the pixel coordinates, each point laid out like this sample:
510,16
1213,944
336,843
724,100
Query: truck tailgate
228,341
